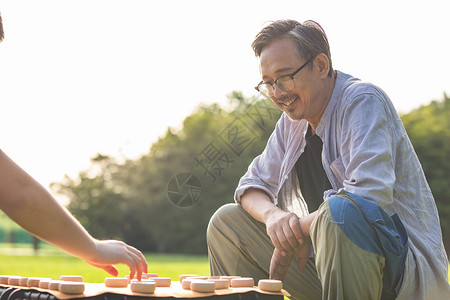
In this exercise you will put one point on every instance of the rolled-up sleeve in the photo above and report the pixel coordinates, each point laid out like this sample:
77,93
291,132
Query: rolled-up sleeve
263,172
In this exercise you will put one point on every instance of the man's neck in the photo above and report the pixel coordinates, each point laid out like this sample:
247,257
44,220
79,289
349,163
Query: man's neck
329,88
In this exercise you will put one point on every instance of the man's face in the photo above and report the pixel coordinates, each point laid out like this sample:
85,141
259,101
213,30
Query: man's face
280,58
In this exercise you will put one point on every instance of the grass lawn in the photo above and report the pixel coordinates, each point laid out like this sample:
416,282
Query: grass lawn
52,263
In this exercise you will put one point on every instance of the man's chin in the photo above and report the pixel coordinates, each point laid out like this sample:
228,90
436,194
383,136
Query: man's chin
293,117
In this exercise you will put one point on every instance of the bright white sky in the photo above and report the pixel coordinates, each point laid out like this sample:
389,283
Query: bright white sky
80,77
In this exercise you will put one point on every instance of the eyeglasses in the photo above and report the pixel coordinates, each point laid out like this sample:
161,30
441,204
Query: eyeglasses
284,83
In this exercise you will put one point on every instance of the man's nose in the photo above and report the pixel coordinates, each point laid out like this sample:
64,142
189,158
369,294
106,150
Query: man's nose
277,91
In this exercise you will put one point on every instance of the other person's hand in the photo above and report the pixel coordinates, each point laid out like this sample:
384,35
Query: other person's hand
113,252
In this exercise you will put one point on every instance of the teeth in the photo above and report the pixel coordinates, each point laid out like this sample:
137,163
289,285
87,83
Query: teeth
289,102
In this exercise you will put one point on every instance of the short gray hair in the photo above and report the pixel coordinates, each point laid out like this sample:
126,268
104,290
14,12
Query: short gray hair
309,38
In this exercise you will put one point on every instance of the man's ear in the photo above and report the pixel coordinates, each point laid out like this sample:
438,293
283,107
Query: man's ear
322,64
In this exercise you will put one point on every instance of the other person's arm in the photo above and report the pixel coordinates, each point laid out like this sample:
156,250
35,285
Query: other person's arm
31,206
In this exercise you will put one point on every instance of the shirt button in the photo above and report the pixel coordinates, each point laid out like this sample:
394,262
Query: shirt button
285,177
302,150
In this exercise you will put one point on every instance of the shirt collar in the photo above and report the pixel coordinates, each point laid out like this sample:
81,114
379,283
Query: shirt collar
340,81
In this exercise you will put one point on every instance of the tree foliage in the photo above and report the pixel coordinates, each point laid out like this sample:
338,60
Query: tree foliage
130,200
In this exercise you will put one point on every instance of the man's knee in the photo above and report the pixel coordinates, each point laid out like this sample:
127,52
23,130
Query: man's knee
350,217
232,222
364,222
224,214
223,217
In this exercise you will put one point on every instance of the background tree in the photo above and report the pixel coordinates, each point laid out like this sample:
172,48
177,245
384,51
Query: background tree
130,201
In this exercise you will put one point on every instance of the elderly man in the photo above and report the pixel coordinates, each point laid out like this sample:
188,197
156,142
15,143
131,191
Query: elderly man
337,206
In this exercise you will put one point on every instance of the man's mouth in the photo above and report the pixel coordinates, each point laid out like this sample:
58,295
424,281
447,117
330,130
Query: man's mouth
287,102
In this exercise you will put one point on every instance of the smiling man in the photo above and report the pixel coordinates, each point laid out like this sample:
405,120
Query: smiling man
337,206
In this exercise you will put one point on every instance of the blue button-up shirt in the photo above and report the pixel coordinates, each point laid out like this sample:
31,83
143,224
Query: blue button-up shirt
366,151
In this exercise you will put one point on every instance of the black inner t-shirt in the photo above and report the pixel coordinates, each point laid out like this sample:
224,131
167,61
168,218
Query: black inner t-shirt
310,172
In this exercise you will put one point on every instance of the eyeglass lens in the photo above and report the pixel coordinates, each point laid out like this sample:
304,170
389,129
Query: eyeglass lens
284,83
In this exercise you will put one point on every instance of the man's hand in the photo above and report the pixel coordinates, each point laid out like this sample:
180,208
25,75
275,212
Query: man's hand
288,233
279,264
302,254
284,231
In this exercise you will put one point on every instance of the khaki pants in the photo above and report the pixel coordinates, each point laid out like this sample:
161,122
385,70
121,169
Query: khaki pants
350,236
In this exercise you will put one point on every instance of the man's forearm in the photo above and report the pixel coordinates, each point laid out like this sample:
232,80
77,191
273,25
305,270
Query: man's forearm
305,223
257,203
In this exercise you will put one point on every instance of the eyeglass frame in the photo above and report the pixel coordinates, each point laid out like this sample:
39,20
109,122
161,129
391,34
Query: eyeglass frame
291,76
